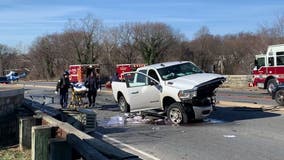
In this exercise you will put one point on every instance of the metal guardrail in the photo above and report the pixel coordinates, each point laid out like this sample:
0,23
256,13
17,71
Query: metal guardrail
43,99
85,145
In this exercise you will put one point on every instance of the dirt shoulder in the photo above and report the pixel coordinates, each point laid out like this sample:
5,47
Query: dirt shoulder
263,107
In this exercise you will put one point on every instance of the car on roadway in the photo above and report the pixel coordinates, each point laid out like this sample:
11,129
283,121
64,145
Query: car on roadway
180,89
278,94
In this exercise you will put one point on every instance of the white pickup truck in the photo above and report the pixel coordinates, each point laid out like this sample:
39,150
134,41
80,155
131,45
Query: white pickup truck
180,89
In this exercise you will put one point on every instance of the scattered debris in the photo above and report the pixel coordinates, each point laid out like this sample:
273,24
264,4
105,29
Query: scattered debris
155,128
115,121
272,108
132,119
230,136
213,121
140,119
108,100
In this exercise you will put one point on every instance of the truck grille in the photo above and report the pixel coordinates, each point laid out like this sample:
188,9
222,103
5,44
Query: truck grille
196,101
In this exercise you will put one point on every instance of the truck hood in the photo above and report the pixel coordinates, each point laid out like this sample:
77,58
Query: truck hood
194,80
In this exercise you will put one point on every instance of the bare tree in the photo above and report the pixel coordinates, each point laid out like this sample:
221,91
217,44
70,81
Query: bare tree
126,41
204,48
152,40
86,36
239,51
88,41
8,58
44,56
109,51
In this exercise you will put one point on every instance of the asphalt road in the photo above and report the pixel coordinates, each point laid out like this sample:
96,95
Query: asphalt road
251,95
230,133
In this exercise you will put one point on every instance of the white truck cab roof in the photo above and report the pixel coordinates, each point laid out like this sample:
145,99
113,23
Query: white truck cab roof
272,49
162,65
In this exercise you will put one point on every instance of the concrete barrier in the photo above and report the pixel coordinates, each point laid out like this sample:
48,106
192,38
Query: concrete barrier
10,99
237,81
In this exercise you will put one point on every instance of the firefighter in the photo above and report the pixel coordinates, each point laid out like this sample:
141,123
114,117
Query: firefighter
91,84
63,85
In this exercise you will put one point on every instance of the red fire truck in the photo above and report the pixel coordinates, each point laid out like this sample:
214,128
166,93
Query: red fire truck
269,68
121,68
79,72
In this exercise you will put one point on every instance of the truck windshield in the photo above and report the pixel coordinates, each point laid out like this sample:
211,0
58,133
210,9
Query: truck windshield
175,71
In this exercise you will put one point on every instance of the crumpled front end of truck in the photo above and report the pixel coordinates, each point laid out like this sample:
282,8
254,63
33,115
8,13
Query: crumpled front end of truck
207,89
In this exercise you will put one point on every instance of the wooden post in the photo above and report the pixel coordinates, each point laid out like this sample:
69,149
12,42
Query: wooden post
59,149
90,119
25,130
40,137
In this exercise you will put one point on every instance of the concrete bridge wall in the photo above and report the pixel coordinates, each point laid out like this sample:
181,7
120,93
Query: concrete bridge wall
10,100
237,81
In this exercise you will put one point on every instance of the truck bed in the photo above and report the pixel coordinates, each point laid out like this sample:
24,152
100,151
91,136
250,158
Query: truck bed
116,87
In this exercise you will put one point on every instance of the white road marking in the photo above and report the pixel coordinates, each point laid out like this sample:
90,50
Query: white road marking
38,86
230,136
128,146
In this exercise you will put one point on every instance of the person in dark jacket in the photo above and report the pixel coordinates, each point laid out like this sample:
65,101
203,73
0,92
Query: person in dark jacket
91,84
63,85
98,77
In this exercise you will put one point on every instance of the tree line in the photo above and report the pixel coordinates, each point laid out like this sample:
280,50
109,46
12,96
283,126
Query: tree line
88,41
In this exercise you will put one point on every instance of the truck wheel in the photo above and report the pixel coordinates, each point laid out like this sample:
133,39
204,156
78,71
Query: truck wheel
177,114
279,97
271,84
123,105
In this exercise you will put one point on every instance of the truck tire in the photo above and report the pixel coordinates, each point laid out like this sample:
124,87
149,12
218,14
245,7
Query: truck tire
177,114
271,84
123,105
279,97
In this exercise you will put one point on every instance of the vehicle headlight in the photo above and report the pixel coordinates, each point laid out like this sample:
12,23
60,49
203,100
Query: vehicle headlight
187,94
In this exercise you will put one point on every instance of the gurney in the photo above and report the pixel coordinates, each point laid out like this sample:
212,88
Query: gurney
79,92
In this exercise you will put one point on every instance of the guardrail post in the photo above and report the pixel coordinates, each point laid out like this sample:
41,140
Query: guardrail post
40,137
25,130
59,149
90,119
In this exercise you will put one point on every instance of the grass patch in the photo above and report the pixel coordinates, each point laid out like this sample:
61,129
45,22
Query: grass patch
14,153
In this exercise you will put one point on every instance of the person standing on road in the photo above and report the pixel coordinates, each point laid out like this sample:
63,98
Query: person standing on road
63,85
91,84
98,77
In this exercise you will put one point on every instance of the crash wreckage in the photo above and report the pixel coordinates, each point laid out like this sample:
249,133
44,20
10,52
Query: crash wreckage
178,89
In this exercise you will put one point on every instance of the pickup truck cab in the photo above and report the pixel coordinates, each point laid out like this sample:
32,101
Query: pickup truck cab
180,89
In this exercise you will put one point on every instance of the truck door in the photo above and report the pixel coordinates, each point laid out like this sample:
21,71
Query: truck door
142,95
271,64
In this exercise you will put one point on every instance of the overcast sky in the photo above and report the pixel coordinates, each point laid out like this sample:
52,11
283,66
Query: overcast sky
21,21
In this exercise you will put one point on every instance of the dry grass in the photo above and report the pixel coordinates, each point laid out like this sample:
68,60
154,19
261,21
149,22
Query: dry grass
14,153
